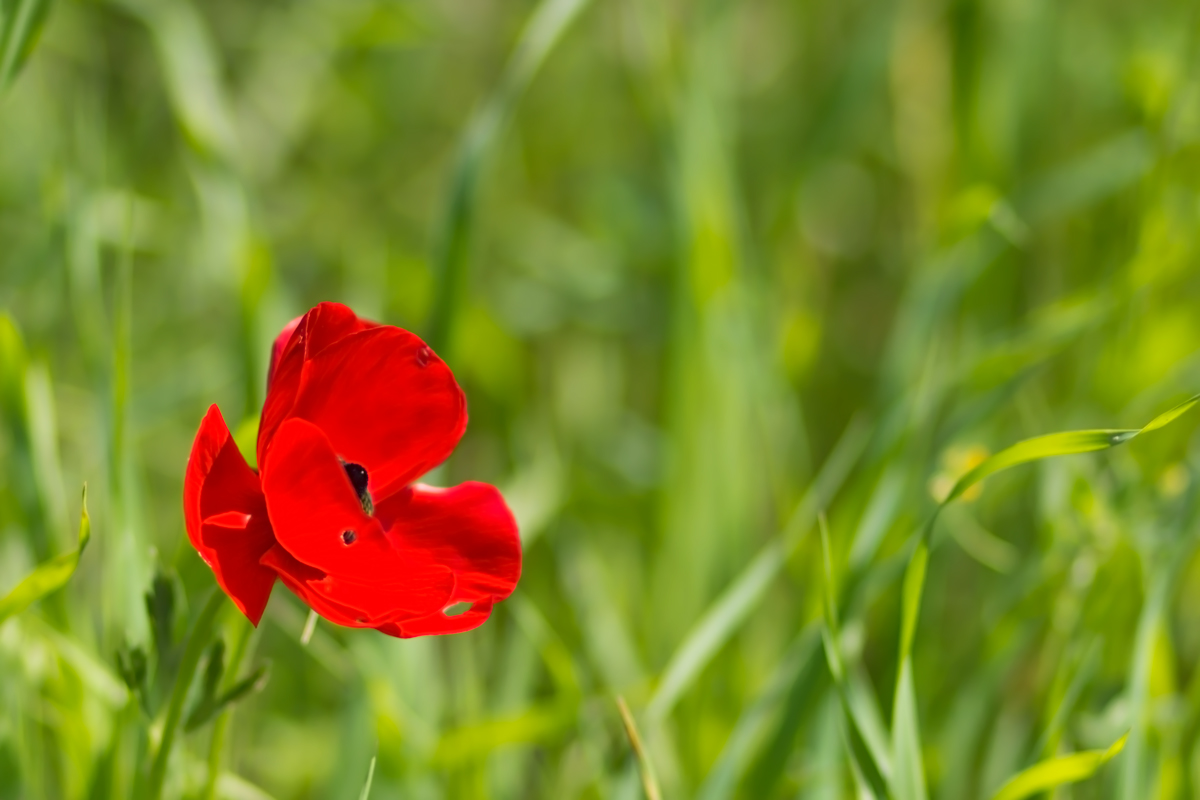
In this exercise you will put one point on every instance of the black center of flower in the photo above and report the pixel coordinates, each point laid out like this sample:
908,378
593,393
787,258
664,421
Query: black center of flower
348,537
359,479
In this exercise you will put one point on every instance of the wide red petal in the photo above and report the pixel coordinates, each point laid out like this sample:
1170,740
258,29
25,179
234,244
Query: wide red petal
319,520
468,528
386,402
226,516
301,340
439,623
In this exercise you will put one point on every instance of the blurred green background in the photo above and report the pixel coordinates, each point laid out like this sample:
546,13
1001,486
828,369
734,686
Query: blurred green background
705,269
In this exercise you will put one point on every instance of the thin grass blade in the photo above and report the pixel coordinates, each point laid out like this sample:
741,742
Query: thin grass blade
545,28
1058,771
50,576
645,766
735,604
21,22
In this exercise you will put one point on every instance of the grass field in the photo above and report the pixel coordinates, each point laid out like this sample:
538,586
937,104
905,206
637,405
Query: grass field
739,292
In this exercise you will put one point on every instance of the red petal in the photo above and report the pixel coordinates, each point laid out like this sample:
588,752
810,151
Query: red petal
226,516
318,519
301,339
438,623
297,576
467,528
281,342
386,402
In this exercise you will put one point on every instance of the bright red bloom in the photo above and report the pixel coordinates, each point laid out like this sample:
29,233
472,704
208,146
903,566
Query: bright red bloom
355,412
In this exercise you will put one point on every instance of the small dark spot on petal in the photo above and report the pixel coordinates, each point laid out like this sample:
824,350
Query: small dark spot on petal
348,537
424,356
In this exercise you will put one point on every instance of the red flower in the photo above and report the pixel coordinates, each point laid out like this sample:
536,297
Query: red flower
355,412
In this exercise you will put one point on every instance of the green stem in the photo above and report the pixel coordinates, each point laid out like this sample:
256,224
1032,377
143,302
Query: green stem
201,633
221,724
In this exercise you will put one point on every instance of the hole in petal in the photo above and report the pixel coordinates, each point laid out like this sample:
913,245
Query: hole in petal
348,537
457,608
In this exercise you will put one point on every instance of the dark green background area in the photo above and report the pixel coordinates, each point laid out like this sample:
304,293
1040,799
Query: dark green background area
704,269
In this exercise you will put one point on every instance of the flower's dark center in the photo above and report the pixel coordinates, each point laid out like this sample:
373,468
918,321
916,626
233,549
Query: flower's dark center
359,479
348,537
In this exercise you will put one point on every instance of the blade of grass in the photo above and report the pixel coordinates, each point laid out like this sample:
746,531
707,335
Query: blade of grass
20,23
734,605
649,781
365,794
1148,629
197,642
452,251
909,783
241,645
43,450
1058,771
868,765
50,576
751,728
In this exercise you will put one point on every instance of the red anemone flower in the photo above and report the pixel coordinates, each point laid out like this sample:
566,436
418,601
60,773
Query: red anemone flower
355,413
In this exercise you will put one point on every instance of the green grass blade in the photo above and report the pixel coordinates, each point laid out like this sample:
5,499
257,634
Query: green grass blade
866,764
20,23
909,774
1058,771
50,576
908,769
452,254
735,604
365,794
790,689
1061,444
197,641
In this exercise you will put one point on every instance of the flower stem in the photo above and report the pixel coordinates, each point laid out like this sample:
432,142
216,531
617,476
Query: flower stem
201,633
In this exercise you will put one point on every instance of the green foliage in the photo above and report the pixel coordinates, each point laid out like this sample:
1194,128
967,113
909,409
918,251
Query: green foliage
48,577
799,337
1057,771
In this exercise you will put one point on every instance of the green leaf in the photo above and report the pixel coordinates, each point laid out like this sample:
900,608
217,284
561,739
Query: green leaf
196,642
909,774
908,769
1061,444
734,605
1057,771
20,23
160,607
366,790
866,765
50,576
914,582
545,27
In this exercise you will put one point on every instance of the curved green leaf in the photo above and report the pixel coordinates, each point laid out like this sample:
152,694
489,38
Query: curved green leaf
50,576
1061,444
1057,771
20,23
905,728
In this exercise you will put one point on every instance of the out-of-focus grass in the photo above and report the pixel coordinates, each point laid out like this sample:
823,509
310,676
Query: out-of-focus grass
707,270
